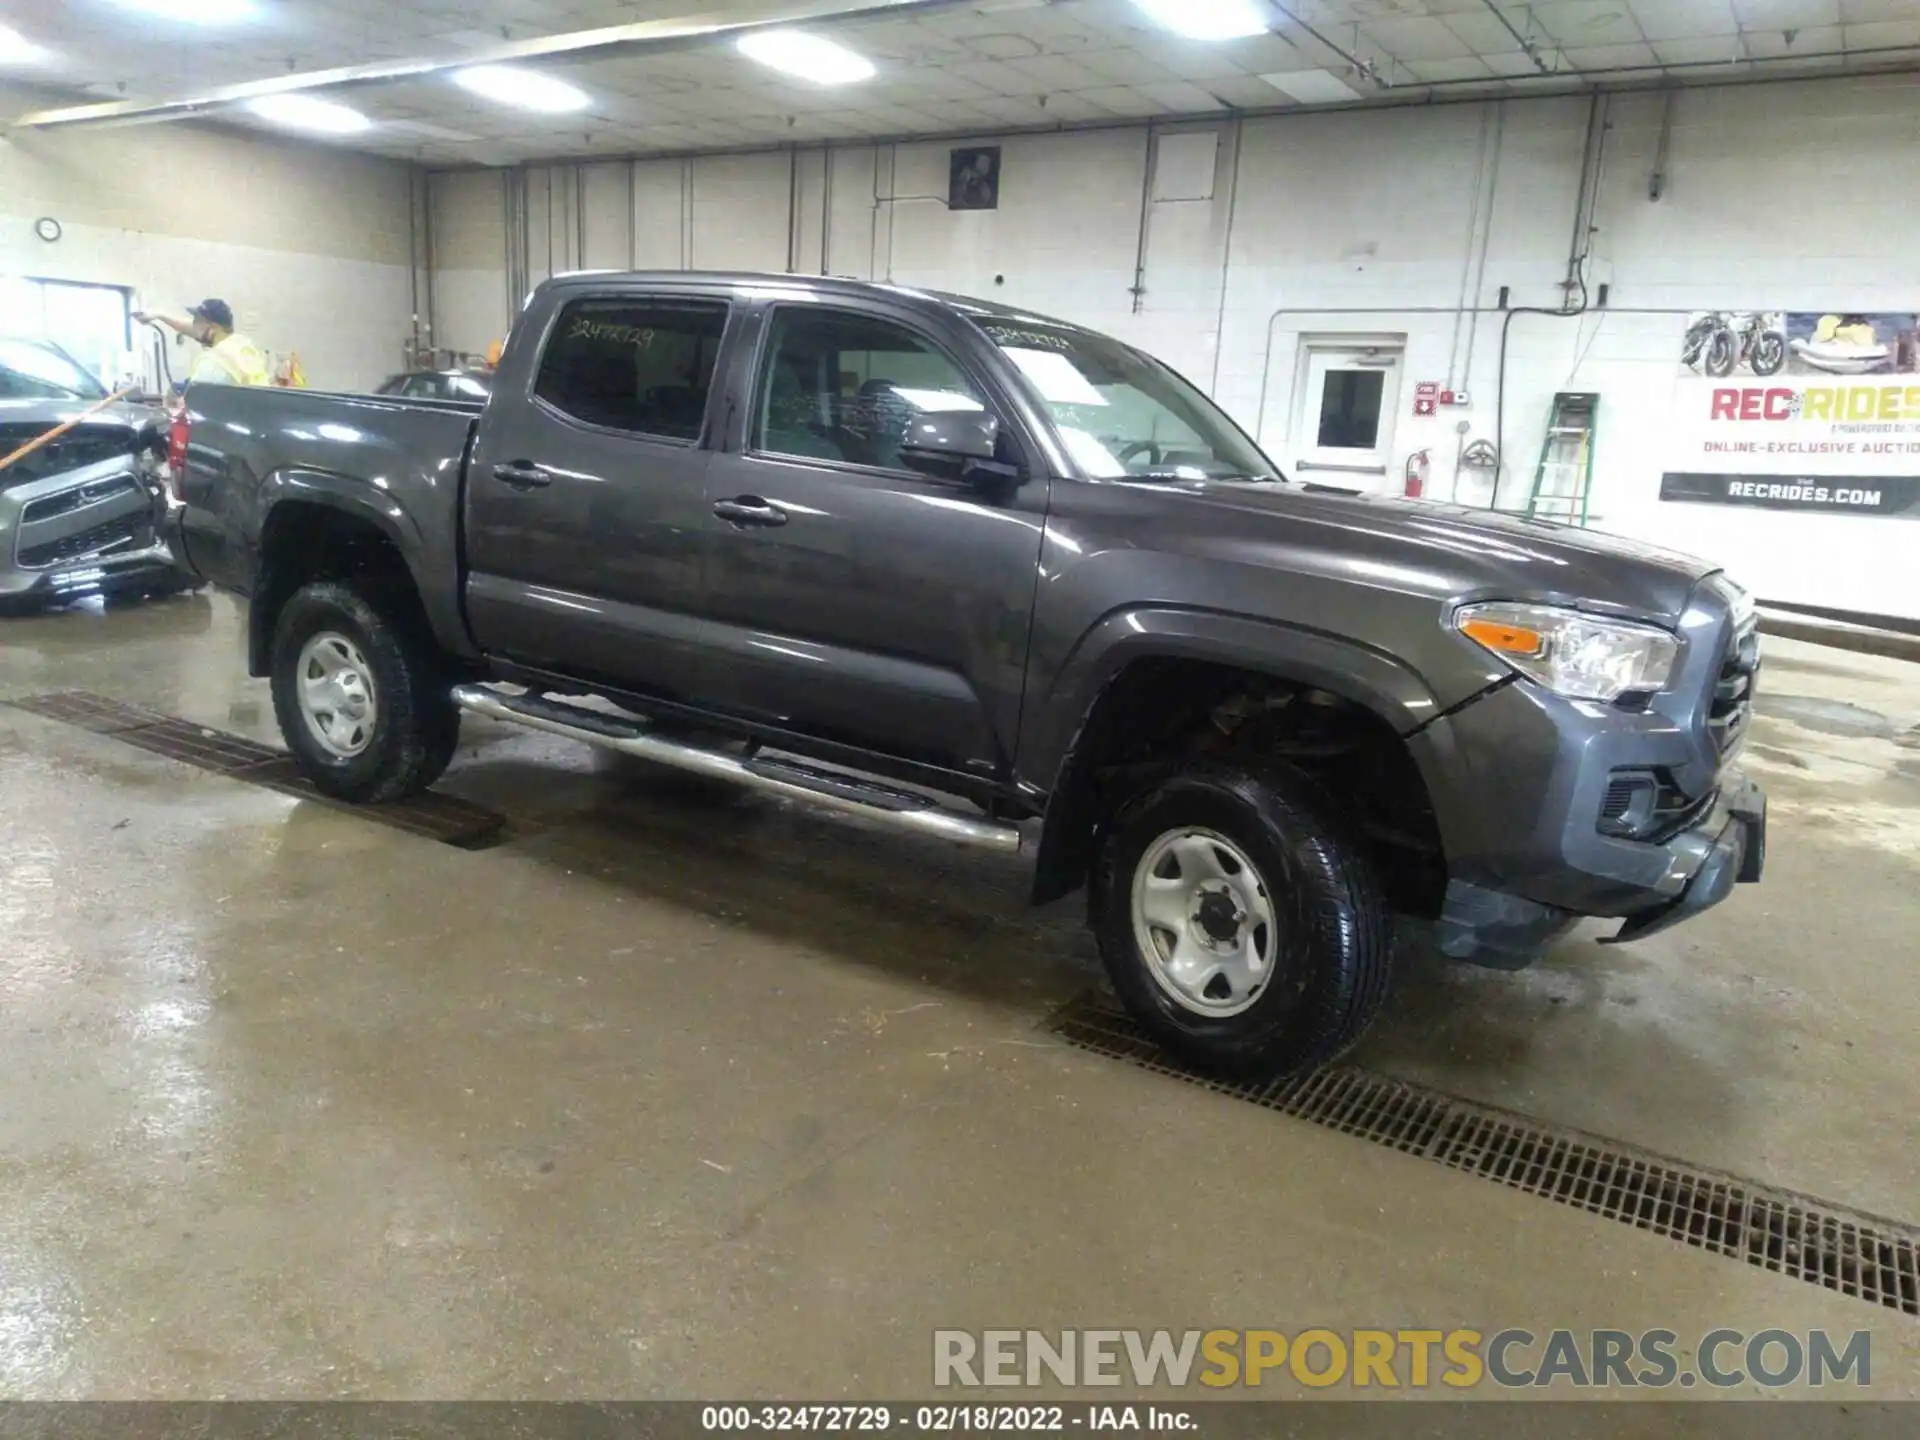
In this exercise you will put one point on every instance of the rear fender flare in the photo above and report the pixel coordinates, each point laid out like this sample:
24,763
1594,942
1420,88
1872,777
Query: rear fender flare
1308,657
352,496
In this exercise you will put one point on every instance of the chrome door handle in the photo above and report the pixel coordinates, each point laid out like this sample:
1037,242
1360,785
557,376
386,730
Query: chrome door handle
522,475
749,510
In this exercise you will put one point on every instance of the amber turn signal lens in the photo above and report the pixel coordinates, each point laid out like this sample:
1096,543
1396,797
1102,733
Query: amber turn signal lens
1505,638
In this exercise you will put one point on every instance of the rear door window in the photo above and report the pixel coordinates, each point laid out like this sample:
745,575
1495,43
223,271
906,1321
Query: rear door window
640,365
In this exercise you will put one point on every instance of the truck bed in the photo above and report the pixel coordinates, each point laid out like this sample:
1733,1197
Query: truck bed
396,462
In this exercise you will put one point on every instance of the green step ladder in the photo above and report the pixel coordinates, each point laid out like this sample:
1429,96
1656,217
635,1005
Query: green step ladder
1564,478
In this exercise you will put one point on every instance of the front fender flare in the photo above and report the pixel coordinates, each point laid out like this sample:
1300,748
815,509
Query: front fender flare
1305,656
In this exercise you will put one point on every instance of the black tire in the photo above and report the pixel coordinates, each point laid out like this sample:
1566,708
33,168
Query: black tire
415,726
1769,353
1722,351
1331,956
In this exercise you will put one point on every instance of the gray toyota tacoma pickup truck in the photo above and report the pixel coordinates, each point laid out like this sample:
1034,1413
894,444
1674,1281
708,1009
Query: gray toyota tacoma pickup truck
986,576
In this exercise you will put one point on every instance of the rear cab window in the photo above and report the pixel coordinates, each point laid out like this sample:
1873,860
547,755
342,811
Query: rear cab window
643,365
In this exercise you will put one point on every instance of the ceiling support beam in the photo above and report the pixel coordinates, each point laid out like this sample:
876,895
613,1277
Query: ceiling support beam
1527,47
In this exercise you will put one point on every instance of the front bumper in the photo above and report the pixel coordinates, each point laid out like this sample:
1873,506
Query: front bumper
1520,779
1708,861
124,569
1493,925
1533,794
92,529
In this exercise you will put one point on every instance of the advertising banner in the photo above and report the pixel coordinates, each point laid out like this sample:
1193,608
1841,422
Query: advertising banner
1788,410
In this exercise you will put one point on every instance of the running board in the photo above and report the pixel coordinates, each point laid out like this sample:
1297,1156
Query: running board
774,775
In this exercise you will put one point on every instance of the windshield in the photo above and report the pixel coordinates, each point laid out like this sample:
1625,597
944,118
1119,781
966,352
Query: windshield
1123,415
34,370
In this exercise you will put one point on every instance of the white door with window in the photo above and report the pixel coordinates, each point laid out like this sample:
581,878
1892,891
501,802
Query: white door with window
1349,395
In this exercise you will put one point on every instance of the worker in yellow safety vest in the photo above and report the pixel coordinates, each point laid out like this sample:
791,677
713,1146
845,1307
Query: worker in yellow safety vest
230,358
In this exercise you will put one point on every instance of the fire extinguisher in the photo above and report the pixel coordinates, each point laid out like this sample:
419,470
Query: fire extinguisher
1418,464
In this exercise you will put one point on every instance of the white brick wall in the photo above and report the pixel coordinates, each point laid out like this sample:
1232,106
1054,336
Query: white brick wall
607,209
740,212
1780,196
470,302
309,245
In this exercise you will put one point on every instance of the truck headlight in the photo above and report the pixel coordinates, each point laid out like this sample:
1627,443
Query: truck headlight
1581,656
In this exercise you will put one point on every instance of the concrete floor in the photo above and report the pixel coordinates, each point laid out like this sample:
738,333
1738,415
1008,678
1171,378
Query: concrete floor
695,1096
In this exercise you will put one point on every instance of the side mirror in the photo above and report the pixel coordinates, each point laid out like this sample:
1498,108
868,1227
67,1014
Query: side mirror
959,445
951,438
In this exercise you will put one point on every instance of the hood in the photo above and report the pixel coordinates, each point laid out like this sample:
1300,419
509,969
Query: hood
1457,552
107,434
48,413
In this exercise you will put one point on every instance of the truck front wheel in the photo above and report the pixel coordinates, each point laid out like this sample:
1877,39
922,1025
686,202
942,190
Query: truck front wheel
362,702
1239,923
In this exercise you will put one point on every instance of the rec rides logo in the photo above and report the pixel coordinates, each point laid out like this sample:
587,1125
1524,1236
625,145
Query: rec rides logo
1833,403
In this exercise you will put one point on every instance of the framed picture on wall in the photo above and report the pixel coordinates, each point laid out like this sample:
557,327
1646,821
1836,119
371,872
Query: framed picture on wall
973,178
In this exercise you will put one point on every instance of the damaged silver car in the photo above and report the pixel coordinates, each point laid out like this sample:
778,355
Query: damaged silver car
81,513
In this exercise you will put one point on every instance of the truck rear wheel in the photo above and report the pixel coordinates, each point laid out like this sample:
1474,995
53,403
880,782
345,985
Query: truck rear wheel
362,701
1240,925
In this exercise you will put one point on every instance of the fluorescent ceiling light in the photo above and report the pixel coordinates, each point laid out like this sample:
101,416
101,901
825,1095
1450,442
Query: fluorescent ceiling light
794,52
16,49
194,12
1312,87
523,89
309,112
1210,19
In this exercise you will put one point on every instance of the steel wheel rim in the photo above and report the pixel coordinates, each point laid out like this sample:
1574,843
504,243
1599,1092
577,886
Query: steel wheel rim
1203,922
338,698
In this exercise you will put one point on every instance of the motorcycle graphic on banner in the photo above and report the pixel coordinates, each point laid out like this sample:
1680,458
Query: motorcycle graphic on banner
1798,410
1718,343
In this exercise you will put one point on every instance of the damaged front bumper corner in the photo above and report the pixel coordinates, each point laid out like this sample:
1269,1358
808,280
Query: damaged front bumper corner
1729,848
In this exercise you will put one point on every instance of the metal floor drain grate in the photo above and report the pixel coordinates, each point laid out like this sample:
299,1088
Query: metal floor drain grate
89,712
446,818
1866,1256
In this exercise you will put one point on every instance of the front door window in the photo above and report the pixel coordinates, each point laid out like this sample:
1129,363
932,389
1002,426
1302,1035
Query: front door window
845,387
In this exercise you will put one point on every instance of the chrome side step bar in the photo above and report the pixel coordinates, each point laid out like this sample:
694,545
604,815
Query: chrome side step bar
775,775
